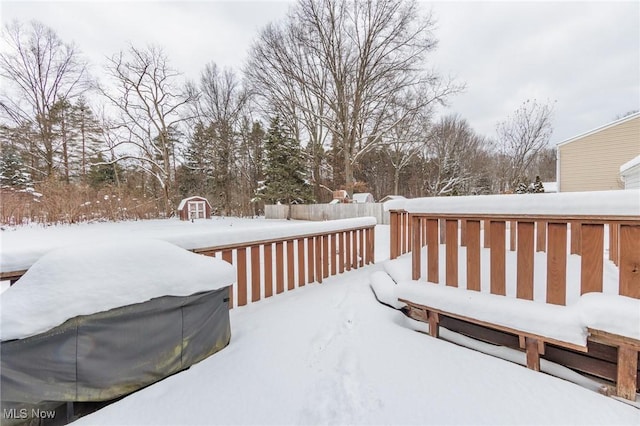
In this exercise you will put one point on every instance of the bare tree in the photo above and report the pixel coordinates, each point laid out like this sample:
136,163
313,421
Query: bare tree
221,108
286,78
351,58
451,149
407,137
521,138
42,71
152,106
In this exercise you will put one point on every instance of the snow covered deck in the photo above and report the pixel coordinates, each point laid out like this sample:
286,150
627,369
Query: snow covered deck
331,354
526,256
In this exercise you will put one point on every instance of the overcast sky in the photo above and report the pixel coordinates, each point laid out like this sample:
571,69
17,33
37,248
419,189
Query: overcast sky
584,57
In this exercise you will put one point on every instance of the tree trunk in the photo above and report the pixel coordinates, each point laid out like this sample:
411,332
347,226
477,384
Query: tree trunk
396,180
348,172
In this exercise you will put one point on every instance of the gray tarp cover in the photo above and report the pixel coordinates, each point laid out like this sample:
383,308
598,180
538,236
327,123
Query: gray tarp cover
109,354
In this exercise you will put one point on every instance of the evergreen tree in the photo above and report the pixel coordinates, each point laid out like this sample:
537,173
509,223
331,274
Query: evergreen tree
284,168
522,188
195,177
101,173
250,163
537,185
13,172
88,134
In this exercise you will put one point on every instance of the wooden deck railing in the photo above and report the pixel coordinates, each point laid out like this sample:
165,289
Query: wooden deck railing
524,235
296,261
269,266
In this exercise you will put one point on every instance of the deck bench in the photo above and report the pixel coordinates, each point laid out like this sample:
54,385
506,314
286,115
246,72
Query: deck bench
534,343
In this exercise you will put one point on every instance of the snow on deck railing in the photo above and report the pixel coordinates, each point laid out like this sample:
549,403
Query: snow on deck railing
524,224
304,253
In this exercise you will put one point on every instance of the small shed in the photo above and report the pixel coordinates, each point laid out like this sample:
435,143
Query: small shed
194,208
363,197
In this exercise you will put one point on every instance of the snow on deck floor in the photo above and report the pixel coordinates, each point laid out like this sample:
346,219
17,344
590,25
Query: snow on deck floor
331,354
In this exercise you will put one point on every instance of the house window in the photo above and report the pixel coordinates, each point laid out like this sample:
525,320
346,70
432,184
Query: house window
196,210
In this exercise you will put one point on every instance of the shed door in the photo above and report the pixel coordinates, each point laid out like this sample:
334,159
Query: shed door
196,210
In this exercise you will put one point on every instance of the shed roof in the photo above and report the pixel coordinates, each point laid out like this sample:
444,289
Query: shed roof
194,198
362,197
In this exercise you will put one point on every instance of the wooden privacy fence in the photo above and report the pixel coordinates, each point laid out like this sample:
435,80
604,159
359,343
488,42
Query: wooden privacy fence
526,234
294,261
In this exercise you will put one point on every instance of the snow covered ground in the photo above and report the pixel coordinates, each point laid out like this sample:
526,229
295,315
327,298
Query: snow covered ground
21,246
331,354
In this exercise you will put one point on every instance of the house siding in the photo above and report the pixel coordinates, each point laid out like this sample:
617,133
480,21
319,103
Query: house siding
632,178
592,162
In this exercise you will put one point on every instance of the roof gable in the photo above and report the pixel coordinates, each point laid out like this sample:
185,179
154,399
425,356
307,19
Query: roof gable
599,129
194,198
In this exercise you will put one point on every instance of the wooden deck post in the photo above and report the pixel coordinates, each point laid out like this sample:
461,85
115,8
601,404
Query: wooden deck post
629,256
291,281
432,251
279,267
242,276
371,245
591,268
473,255
557,264
332,251
318,260
451,260
311,259
268,270
347,250
362,248
301,263
325,256
498,283
533,354
525,255
416,249
227,256
354,249
393,237
434,324
627,372
341,252
255,273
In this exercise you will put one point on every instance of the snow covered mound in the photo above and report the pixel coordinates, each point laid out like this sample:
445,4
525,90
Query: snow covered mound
385,289
85,279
